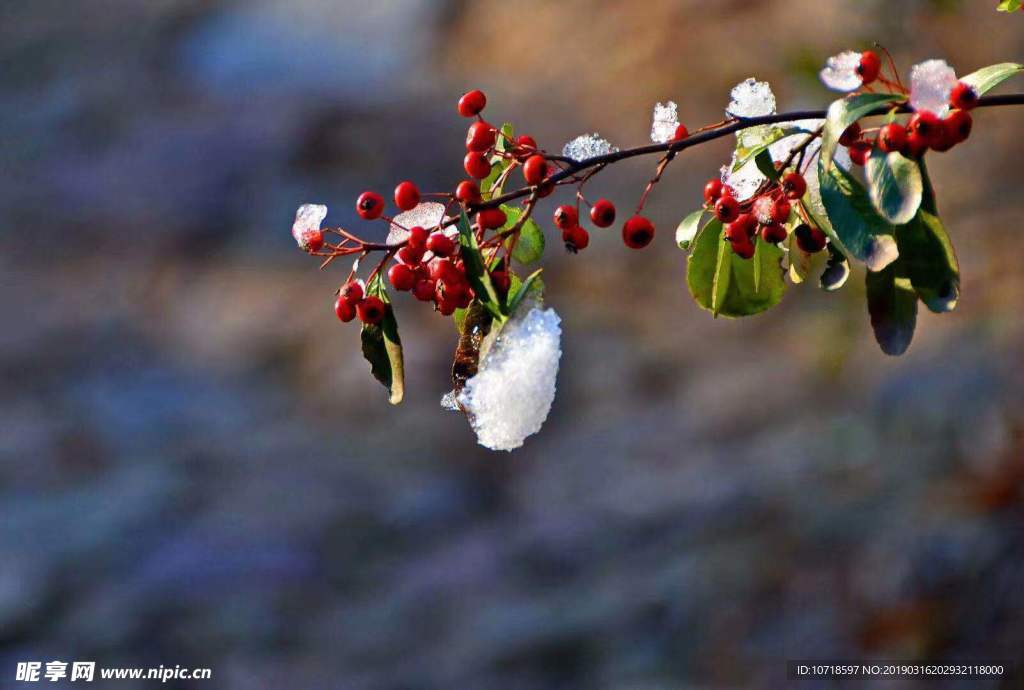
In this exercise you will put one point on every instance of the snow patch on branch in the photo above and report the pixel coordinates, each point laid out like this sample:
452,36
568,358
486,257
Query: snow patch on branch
511,394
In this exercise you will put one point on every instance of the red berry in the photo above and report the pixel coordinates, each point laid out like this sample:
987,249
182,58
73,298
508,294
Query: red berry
958,125
963,96
681,133
525,144
344,310
407,196
915,146
809,239
892,137
371,309
545,189
468,191
351,292
780,210
637,232
444,270
850,134
480,136
501,281
440,244
927,125
869,67
423,290
727,209
313,240
743,249
575,238
860,152
491,218
566,217
535,169
602,213
713,190
773,233
410,255
370,205
476,165
472,102
402,277
794,186
418,237
741,229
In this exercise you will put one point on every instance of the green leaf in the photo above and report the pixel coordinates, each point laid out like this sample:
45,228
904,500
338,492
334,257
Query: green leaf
498,164
987,78
382,347
767,166
852,220
688,228
753,141
1009,5
530,245
843,113
476,271
517,294
727,285
892,304
929,257
836,273
895,186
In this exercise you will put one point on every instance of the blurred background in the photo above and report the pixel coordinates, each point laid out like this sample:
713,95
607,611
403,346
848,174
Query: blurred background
196,467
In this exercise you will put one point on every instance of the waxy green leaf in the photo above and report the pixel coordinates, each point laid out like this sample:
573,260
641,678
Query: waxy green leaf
892,304
530,245
851,220
727,285
895,186
987,78
687,229
476,271
382,347
844,112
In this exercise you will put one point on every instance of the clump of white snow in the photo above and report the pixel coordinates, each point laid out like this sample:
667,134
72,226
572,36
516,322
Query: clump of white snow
308,219
664,122
511,394
930,84
587,146
840,72
427,214
751,98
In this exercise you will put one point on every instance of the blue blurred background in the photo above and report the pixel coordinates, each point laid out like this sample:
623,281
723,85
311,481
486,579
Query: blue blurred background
196,467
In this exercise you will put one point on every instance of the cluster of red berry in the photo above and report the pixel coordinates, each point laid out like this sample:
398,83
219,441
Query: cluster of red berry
764,216
428,263
923,131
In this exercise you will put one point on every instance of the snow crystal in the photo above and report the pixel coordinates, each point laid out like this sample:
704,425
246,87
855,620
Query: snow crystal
751,98
930,84
840,72
745,181
510,396
308,218
427,214
587,146
664,122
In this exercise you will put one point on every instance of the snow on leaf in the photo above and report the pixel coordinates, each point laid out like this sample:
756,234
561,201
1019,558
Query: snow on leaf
930,84
664,122
308,219
511,394
587,146
751,98
840,72
427,214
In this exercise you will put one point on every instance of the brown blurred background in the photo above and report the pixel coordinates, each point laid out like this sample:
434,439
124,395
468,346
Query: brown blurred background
196,467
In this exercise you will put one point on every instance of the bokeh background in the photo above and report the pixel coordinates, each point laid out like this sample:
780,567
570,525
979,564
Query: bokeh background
196,467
